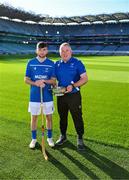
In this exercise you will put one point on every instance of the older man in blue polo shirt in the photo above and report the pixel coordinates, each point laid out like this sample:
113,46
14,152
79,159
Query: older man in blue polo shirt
70,73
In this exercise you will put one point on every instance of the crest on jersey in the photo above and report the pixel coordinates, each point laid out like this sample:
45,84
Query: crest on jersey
46,69
72,65
34,68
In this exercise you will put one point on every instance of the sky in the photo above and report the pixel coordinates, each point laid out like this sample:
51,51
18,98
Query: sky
59,8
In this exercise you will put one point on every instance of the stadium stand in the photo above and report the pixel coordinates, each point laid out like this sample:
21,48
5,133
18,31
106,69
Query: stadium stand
86,36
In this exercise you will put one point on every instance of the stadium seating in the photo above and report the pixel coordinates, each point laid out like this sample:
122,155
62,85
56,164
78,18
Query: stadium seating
94,39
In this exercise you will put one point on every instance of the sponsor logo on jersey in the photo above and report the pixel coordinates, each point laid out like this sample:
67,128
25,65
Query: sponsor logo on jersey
40,77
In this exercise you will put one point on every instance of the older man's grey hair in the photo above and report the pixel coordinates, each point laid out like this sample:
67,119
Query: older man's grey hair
64,44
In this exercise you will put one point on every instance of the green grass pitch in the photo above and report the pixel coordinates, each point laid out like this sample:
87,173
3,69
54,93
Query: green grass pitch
106,115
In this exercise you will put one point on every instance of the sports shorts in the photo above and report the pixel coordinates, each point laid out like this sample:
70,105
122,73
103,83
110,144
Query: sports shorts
35,108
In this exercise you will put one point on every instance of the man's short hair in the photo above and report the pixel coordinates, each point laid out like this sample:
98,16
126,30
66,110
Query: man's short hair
41,44
64,44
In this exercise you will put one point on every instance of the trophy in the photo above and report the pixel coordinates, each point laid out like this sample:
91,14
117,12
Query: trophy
59,91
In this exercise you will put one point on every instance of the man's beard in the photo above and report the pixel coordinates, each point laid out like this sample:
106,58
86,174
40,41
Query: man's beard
42,57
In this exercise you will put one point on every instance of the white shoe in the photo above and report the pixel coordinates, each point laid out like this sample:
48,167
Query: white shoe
50,142
33,143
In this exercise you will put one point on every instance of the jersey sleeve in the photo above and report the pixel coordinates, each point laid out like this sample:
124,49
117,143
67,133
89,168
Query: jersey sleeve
55,64
81,68
28,71
53,74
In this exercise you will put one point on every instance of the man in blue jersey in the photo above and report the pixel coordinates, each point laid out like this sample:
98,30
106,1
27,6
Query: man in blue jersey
40,72
70,73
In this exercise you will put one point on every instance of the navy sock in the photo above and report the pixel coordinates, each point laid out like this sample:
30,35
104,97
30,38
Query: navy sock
49,133
34,133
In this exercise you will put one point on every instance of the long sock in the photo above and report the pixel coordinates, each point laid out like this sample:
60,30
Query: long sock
49,133
34,134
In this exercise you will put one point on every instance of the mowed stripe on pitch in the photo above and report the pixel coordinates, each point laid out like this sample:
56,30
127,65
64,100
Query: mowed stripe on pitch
115,59
108,60
108,74
108,63
112,76
108,68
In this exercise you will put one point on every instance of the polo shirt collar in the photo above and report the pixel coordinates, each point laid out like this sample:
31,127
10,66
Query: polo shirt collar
66,61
